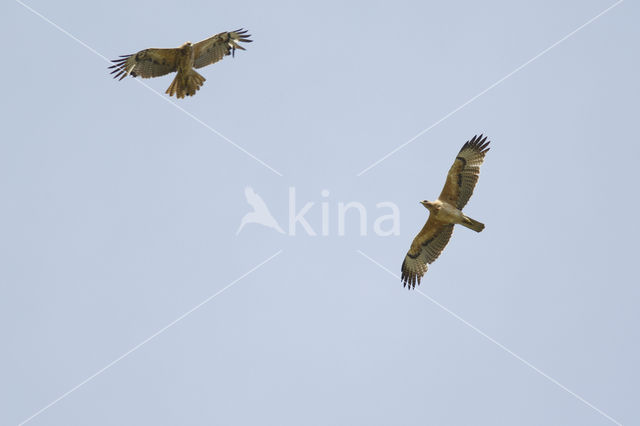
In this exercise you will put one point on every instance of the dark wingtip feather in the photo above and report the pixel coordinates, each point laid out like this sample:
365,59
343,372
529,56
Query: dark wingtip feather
120,61
242,35
119,67
409,279
478,143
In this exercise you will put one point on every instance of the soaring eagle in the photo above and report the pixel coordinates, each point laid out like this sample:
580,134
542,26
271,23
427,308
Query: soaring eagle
446,212
156,62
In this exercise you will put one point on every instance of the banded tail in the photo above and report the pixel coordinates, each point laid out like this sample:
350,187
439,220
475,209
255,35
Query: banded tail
472,224
185,84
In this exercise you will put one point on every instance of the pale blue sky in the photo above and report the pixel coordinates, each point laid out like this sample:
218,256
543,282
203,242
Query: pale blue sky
119,214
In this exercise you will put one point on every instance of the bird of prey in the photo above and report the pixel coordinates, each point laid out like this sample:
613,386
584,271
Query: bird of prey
446,211
156,62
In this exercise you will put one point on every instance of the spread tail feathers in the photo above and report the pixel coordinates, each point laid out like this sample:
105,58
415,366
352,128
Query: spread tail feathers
472,224
185,84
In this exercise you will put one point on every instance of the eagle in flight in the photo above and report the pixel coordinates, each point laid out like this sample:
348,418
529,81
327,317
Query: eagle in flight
446,211
156,62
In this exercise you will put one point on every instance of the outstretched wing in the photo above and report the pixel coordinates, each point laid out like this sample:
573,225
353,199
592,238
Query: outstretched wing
146,63
425,249
463,174
213,49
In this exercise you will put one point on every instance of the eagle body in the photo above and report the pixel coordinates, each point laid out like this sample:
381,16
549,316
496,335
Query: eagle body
443,212
446,211
187,80
182,60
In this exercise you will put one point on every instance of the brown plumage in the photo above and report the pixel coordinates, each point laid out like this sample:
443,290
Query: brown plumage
156,62
446,212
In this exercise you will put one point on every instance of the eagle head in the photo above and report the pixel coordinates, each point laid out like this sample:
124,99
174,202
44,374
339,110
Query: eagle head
428,204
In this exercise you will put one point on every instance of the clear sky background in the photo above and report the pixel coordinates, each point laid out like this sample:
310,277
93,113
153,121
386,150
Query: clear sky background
119,214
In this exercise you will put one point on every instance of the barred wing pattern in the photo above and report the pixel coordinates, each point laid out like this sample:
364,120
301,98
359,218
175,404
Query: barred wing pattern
425,249
147,63
463,174
213,49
